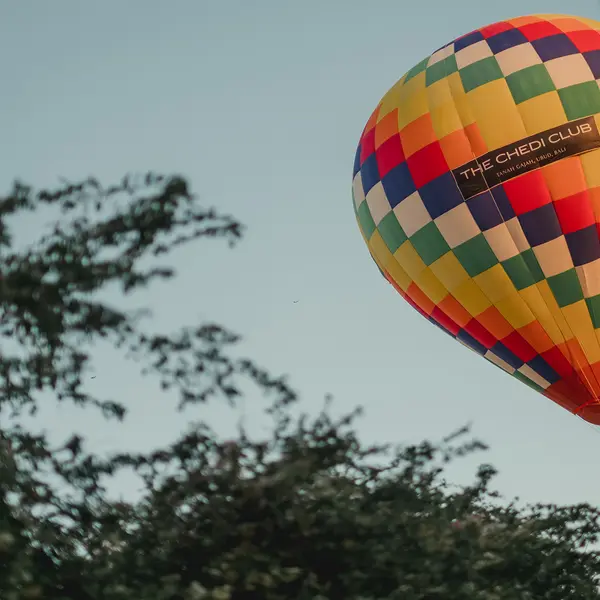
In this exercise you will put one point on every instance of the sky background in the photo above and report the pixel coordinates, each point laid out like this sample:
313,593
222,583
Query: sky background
261,104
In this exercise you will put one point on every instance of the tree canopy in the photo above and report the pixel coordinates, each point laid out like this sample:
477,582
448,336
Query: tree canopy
308,511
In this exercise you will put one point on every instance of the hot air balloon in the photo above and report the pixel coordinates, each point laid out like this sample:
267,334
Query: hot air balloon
476,187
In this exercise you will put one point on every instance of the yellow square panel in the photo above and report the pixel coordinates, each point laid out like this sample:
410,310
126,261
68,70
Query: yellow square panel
438,94
554,309
378,247
495,283
377,261
536,303
515,311
413,100
449,271
431,286
591,167
471,298
399,275
445,119
497,115
580,323
542,112
461,101
409,260
391,100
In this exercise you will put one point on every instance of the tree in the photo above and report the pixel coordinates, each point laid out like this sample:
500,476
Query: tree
308,512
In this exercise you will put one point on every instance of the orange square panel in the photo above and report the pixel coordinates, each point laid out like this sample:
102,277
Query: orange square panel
476,139
568,24
495,323
452,307
574,354
565,177
417,295
594,196
456,148
537,337
417,135
520,21
386,128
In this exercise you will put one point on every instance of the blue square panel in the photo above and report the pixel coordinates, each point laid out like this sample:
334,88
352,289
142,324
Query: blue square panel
441,195
369,173
554,46
584,245
540,225
505,40
485,211
398,184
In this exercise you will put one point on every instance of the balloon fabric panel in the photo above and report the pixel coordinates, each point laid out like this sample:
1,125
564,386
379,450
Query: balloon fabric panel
512,270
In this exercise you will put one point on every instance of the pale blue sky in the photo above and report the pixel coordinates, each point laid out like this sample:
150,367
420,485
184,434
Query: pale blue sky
261,104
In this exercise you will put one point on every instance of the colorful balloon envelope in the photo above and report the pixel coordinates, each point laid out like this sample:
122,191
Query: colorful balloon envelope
476,187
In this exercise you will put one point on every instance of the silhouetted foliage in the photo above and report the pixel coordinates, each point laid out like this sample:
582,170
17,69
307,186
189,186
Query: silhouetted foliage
307,512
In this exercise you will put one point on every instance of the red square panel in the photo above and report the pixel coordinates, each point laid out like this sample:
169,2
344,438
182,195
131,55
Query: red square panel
367,145
464,35
585,40
495,29
475,329
556,359
439,316
420,300
527,192
427,163
536,31
591,413
519,346
575,212
389,155
372,120
569,393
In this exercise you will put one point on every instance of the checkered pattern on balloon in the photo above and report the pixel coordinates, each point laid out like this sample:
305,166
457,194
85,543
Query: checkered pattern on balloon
512,272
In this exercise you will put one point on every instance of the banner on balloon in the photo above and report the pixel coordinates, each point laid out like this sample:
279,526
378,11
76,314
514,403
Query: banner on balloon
527,154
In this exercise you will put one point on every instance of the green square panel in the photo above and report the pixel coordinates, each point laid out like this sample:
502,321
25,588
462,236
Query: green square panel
391,231
523,269
365,219
419,68
480,73
529,83
524,379
581,100
441,69
429,243
533,265
593,305
566,288
476,255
